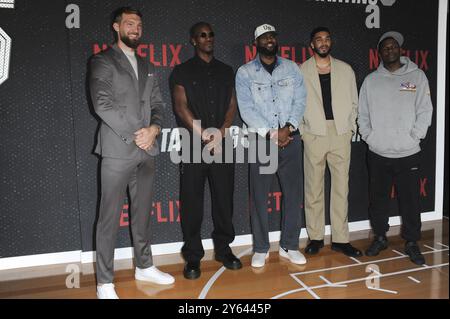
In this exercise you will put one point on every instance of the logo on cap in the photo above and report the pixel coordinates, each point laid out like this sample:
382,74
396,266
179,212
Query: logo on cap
264,28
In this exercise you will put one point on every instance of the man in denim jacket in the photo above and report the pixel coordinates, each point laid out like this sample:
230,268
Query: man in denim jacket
271,97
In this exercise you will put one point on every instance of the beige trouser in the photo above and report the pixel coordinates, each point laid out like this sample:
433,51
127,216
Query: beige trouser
333,150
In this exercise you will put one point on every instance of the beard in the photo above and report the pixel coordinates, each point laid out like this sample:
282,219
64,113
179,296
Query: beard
131,43
322,54
267,52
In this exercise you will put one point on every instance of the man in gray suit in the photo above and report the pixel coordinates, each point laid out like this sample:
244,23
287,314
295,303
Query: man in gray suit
126,96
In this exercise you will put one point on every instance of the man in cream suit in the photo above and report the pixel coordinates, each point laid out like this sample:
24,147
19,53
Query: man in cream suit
126,96
327,128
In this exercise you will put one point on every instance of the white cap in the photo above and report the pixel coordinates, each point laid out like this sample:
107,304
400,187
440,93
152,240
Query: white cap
264,28
397,36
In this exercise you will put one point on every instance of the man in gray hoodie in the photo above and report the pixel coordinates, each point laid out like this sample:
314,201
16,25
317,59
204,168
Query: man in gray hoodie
395,112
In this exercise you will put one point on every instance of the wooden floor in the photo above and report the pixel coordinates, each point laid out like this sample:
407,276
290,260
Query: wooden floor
326,275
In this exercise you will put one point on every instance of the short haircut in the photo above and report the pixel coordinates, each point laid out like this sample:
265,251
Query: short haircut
194,29
317,30
116,16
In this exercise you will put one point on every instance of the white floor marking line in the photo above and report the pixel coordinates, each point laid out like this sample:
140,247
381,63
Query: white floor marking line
398,253
213,279
432,248
363,263
326,280
305,287
359,279
331,284
441,244
355,260
414,279
383,290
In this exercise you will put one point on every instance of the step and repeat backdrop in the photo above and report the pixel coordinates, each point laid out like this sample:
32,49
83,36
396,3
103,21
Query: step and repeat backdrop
49,175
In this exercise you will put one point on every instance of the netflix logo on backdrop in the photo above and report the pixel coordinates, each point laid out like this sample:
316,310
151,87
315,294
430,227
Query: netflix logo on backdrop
423,189
300,54
169,211
164,55
296,54
164,212
419,57
171,54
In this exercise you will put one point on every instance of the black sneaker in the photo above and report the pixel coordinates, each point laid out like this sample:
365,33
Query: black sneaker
379,243
347,249
314,247
413,251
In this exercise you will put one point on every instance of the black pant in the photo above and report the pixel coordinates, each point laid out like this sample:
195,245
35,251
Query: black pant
404,173
192,184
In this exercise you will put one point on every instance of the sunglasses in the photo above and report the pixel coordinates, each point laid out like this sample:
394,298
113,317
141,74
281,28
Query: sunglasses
204,34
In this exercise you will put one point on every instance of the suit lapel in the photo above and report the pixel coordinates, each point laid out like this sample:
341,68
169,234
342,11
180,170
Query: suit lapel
334,78
125,63
143,75
314,75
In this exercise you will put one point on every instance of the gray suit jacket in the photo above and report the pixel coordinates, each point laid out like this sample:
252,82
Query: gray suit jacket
124,103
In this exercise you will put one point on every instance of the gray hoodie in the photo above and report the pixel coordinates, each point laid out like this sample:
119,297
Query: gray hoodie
395,110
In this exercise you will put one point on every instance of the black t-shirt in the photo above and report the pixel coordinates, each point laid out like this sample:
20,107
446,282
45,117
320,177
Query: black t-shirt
325,84
208,88
269,67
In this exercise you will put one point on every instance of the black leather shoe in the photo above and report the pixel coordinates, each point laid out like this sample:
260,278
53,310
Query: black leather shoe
314,247
379,243
347,249
413,251
192,270
230,261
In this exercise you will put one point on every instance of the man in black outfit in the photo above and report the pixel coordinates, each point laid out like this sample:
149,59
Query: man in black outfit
203,90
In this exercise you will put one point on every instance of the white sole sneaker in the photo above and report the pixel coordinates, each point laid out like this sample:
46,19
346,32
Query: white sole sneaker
258,260
153,275
106,291
295,257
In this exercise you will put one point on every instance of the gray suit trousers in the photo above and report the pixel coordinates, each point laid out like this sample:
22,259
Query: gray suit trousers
116,175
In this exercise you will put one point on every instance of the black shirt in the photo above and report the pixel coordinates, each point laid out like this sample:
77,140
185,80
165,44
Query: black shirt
208,88
325,84
269,67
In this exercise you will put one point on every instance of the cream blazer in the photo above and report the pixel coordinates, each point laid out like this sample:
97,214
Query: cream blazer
344,95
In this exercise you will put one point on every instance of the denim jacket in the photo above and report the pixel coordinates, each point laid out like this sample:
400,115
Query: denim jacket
269,101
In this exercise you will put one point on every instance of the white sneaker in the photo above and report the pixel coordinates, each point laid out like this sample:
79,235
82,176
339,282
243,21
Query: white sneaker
153,274
259,259
294,256
106,291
